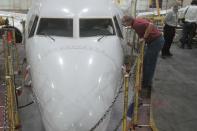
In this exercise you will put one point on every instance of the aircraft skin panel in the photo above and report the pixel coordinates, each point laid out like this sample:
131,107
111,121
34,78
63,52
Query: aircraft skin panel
65,8
65,74
89,87
43,45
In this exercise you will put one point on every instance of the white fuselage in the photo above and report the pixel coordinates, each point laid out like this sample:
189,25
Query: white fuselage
75,78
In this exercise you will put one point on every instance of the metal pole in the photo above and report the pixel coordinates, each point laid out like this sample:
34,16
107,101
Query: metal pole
126,90
13,116
158,8
138,80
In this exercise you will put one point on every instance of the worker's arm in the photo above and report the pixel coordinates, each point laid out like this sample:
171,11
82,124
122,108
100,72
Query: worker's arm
148,30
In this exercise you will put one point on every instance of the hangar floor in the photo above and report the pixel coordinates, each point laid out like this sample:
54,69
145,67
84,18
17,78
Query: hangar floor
174,96
175,91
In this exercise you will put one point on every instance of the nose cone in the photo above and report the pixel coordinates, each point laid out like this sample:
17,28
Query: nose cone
76,87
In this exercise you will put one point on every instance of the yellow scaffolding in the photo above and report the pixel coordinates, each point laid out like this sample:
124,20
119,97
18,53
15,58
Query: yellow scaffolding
138,73
137,90
11,103
126,94
157,19
138,81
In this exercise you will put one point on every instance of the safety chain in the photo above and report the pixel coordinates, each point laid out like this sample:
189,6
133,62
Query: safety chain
108,110
5,124
132,75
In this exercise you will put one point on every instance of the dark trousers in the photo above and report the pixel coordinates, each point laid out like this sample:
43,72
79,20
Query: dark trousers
188,33
150,59
169,33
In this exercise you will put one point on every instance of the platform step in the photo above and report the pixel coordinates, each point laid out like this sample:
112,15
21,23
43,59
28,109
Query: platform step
143,125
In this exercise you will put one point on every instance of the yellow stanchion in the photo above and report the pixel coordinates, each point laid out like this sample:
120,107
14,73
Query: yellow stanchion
126,90
138,81
17,121
11,106
158,8
142,62
136,92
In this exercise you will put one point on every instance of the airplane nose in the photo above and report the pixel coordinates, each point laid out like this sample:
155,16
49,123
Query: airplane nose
76,87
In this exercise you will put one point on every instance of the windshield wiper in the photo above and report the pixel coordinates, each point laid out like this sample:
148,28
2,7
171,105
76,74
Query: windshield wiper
100,38
45,34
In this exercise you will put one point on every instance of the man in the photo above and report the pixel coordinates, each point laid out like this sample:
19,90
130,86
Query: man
170,21
189,26
154,42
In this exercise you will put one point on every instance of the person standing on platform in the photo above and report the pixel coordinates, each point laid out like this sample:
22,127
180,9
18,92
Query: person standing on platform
154,42
169,30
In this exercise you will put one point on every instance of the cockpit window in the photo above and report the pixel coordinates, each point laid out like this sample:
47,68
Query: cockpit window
118,27
96,27
32,25
55,27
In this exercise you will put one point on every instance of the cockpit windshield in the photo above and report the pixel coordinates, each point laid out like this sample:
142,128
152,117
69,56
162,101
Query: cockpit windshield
55,27
96,27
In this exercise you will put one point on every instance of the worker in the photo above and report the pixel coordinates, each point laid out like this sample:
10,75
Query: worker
154,40
169,30
189,19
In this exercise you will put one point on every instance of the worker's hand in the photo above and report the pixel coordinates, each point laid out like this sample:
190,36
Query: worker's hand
141,40
129,44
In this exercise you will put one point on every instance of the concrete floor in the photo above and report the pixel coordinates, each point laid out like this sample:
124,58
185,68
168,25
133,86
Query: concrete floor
174,96
175,91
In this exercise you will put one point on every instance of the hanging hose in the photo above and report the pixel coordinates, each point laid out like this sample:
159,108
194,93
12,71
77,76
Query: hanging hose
23,106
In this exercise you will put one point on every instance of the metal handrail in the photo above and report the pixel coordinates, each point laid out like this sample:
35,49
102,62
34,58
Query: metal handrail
11,103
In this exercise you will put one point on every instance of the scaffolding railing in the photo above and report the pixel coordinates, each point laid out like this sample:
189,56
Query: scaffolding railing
10,65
